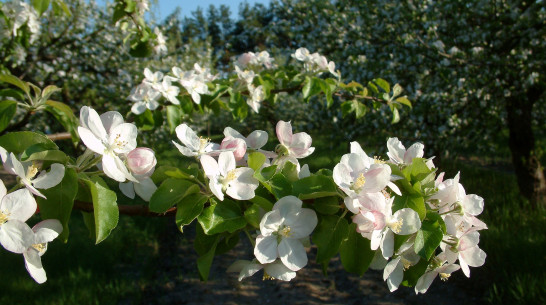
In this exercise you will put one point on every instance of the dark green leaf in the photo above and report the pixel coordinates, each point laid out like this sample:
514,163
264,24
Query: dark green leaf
189,208
206,248
428,238
252,215
40,151
330,232
170,192
225,216
7,111
280,186
327,205
356,254
60,200
414,202
105,208
10,79
17,142
65,116
315,186
412,275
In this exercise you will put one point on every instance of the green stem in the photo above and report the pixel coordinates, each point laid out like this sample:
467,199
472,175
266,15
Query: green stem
252,241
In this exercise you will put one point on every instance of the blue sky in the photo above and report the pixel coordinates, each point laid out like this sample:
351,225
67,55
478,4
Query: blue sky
165,7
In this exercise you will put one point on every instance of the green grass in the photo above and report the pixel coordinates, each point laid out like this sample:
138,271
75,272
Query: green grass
81,272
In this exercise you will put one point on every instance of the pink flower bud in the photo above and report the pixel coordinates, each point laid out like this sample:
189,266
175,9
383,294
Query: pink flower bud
141,161
244,59
237,145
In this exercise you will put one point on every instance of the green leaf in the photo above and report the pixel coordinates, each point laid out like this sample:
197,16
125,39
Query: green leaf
149,120
417,170
89,221
7,111
265,173
311,87
395,114
226,243
252,215
356,254
404,101
10,79
290,171
141,49
383,84
65,116
314,186
60,200
206,248
328,235
105,208
256,160
189,208
225,216
170,192
327,205
414,202
428,238
262,202
174,117
17,142
42,152
40,6
412,275
280,186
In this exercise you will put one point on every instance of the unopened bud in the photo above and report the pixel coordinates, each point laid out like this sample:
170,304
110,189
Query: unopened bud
141,161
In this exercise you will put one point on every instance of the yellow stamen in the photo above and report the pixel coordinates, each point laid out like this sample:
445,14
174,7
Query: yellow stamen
406,263
39,247
360,181
396,226
386,194
118,143
378,160
3,217
32,171
231,175
444,276
267,277
285,231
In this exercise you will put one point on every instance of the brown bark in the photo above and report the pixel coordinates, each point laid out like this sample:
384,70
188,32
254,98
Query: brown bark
529,171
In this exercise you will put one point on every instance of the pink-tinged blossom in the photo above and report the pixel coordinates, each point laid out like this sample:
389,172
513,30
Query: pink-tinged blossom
238,183
15,209
254,142
376,222
282,231
141,162
237,145
438,266
466,250
109,136
399,155
296,145
357,174
43,232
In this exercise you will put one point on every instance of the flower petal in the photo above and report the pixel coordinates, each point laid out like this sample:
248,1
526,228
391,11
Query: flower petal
47,230
288,205
303,224
91,141
128,189
20,205
33,264
266,249
292,254
257,139
50,179
284,132
16,236
408,221
110,120
279,271
145,188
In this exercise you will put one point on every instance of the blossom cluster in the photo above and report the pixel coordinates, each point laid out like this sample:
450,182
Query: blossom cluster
114,142
18,206
365,180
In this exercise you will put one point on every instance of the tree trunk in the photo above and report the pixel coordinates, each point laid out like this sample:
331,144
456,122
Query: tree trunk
529,172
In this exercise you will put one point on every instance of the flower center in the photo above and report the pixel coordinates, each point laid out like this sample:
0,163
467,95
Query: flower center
3,217
378,160
396,226
285,232
359,182
444,276
281,150
32,171
39,247
118,143
406,263
267,276
203,142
